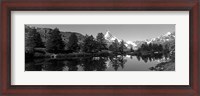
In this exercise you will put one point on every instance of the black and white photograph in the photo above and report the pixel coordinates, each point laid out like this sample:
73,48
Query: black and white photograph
99,47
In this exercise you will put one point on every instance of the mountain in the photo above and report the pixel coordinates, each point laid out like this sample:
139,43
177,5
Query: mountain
167,38
137,44
109,37
65,35
44,32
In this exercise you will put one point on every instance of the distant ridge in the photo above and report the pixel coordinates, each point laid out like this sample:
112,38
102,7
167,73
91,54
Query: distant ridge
44,32
169,37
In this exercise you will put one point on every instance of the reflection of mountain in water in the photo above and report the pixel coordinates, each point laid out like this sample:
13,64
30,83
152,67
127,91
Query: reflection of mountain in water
90,64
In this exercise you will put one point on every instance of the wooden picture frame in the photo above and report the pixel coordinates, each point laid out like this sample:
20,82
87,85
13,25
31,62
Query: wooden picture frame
99,5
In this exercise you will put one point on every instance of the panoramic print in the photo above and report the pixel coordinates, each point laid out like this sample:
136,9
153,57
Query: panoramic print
99,47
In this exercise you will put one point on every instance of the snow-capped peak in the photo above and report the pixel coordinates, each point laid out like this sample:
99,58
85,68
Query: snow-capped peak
130,42
149,41
168,33
108,36
163,38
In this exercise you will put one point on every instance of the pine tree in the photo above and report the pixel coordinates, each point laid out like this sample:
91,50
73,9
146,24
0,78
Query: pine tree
116,45
89,45
111,48
32,39
160,47
54,42
122,46
150,47
73,43
131,49
166,48
101,42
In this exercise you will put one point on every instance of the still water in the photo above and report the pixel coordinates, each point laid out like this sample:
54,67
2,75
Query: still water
110,63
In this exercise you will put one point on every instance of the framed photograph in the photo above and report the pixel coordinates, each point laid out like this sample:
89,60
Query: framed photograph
122,47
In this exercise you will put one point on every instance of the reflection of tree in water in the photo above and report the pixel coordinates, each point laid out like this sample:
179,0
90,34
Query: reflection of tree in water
150,58
72,64
144,58
53,65
117,62
166,55
131,57
87,64
138,57
33,65
91,64
30,66
101,64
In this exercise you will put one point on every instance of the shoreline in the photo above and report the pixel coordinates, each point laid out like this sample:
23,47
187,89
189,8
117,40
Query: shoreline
164,66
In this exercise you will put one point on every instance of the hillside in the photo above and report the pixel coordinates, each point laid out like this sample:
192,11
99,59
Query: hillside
65,35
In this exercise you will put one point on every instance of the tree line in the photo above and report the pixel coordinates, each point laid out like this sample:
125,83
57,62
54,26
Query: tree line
55,44
153,47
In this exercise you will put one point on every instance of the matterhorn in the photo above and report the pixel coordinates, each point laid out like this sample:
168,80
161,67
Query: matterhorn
108,36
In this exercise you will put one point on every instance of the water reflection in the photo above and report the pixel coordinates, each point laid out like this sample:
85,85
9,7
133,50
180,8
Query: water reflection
117,61
109,63
53,65
150,58
72,65
94,64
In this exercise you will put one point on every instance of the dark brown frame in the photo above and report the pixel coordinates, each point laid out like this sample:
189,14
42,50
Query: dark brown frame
193,89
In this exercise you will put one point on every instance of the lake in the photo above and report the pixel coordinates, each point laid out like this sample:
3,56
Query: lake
109,63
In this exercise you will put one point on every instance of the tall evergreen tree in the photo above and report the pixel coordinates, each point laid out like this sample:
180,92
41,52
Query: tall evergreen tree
115,45
101,42
122,46
111,47
166,48
155,47
32,39
29,38
54,42
73,43
89,45
150,47
160,47
131,49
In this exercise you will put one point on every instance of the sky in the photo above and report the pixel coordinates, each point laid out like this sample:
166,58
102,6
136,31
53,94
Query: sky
127,32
